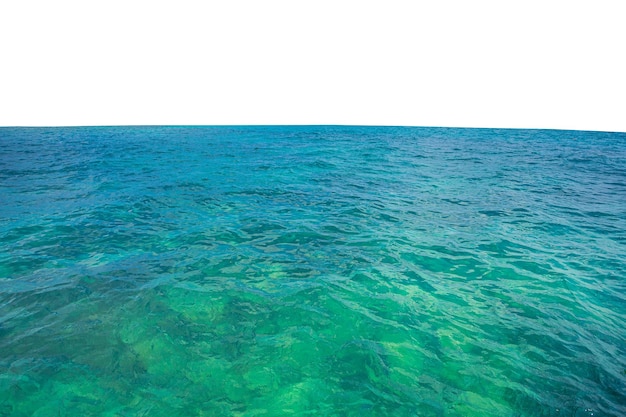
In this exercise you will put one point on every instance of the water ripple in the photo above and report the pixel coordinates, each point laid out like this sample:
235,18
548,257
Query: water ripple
312,270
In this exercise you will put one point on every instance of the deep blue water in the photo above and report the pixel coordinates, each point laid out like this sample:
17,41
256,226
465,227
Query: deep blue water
325,270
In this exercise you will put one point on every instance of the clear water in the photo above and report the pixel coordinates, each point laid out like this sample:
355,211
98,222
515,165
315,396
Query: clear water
332,271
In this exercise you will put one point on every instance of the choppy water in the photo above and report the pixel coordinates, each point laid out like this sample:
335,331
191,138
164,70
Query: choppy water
333,271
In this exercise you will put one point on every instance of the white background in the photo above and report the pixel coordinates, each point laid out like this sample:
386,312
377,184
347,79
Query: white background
529,64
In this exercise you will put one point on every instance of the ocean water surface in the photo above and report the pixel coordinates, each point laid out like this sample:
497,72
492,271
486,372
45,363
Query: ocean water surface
326,271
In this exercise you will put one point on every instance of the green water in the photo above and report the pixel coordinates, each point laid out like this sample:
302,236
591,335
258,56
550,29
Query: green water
333,271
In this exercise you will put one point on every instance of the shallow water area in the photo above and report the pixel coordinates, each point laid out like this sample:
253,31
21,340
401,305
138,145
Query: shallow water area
312,270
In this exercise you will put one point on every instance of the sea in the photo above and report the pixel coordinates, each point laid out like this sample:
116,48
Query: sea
312,271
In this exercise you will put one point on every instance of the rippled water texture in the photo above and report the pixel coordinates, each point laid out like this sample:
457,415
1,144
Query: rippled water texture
332,271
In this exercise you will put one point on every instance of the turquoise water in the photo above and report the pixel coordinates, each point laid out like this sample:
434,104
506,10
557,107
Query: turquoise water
332,271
